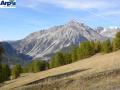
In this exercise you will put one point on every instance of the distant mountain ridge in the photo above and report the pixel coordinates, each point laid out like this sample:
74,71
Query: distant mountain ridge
42,43
11,56
108,32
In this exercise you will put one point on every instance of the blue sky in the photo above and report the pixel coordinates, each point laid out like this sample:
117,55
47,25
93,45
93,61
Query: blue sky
33,15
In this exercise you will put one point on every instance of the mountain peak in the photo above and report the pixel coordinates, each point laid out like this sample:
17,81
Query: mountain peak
74,22
44,44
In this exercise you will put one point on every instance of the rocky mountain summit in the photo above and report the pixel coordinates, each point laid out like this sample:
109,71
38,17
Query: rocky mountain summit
43,43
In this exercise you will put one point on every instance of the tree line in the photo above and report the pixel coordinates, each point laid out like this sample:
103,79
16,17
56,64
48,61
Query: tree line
84,50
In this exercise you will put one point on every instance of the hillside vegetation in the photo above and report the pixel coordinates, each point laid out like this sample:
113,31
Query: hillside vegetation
99,72
101,67
86,68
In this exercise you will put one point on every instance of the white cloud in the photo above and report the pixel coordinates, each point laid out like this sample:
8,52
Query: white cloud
70,4
99,8
80,4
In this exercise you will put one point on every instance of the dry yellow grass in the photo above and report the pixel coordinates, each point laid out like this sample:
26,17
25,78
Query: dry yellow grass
103,82
94,64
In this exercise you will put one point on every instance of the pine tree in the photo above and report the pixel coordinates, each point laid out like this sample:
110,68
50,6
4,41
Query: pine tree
1,52
57,60
74,53
97,46
67,58
16,70
6,72
53,62
92,47
25,70
116,42
30,67
106,46
37,65
43,65
85,50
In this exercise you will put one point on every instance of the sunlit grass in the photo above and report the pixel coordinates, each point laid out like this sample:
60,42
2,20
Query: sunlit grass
97,71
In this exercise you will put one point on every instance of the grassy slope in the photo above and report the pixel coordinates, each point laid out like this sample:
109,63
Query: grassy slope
85,68
107,82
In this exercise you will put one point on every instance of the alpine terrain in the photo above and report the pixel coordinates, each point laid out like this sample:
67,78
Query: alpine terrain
108,32
44,43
